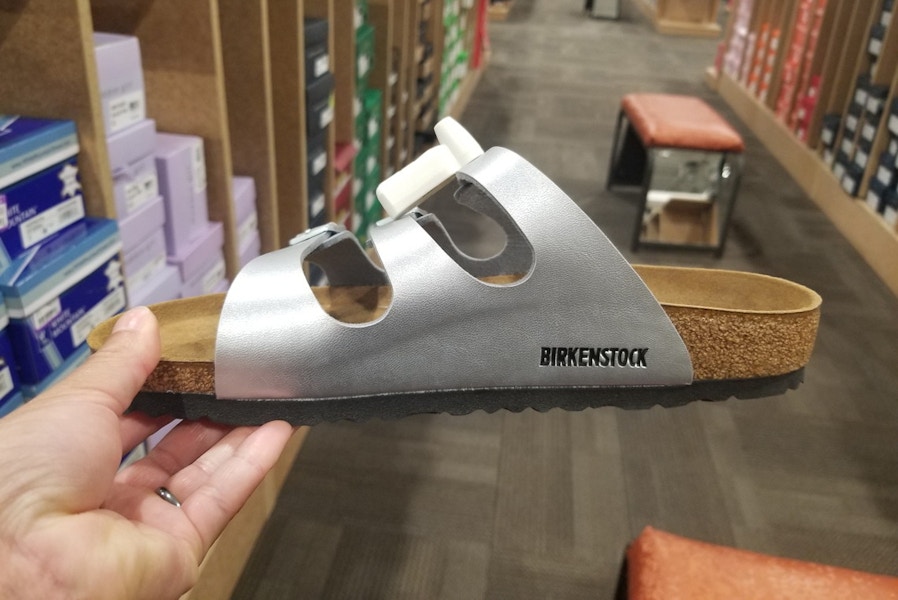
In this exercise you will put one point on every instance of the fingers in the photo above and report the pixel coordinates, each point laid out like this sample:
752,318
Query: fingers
178,450
116,372
232,470
136,427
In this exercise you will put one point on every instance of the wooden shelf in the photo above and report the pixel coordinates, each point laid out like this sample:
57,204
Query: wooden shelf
682,17
247,73
287,48
866,231
382,15
74,94
180,46
232,73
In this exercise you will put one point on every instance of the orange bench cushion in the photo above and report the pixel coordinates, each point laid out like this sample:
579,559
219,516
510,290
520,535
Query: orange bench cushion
661,565
668,120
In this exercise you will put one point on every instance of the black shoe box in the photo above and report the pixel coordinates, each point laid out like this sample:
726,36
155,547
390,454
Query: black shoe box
870,126
885,170
876,196
319,111
830,129
851,180
316,150
862,154
315,32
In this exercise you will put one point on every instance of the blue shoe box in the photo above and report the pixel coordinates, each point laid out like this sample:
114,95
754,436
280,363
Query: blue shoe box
10,395
29,391
40,191
57,295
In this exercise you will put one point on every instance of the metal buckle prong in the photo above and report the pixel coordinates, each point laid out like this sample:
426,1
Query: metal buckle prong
328,228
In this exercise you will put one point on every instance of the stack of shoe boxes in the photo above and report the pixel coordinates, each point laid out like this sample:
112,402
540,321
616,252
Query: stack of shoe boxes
60,273
425,101
10,394
130,142
732,53
194,244
758,54
858,134
861,122
248,242
368,129
344,156
882,194
391,124
768,62
367,168
319,115
808,88
792,64
455,57
829,131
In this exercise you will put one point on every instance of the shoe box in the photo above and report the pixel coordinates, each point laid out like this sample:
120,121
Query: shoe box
319,104
319,93
120,75
249,244
202,263
10,393
344,156
132,162
131,140
58,294
40,190
181,166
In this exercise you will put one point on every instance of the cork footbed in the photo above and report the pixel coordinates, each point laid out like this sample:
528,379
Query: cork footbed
735,325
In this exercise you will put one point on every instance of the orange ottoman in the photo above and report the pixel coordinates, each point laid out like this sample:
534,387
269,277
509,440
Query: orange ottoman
658,122
663,566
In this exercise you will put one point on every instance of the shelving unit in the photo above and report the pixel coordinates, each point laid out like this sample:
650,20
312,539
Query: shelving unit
682,17
184,76
231,72
845,66
248,89
385,75
287,44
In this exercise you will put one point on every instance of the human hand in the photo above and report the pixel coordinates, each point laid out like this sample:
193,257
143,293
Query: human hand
72,526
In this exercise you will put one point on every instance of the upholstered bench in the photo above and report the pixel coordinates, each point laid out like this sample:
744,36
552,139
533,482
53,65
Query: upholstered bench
667,122
663,566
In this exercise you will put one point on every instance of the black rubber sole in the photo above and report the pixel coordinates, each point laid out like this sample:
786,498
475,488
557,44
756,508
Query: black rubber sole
456,402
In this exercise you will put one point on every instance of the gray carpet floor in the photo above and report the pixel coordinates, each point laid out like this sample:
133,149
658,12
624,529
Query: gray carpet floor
533,505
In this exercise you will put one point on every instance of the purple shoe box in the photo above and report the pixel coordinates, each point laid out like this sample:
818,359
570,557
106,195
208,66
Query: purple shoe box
208,280
250,250
136,228
120,74
244,197
145,261
133,165
202,265
247,230
181,168
200,252
164,285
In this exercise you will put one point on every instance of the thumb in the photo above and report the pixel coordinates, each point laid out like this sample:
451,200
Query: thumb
117,371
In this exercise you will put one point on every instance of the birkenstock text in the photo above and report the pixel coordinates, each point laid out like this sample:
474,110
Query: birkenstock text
554,356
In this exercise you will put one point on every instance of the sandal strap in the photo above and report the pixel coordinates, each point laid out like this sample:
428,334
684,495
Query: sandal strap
580,315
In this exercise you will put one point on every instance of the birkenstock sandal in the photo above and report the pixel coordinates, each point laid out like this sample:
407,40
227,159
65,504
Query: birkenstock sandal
557,319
